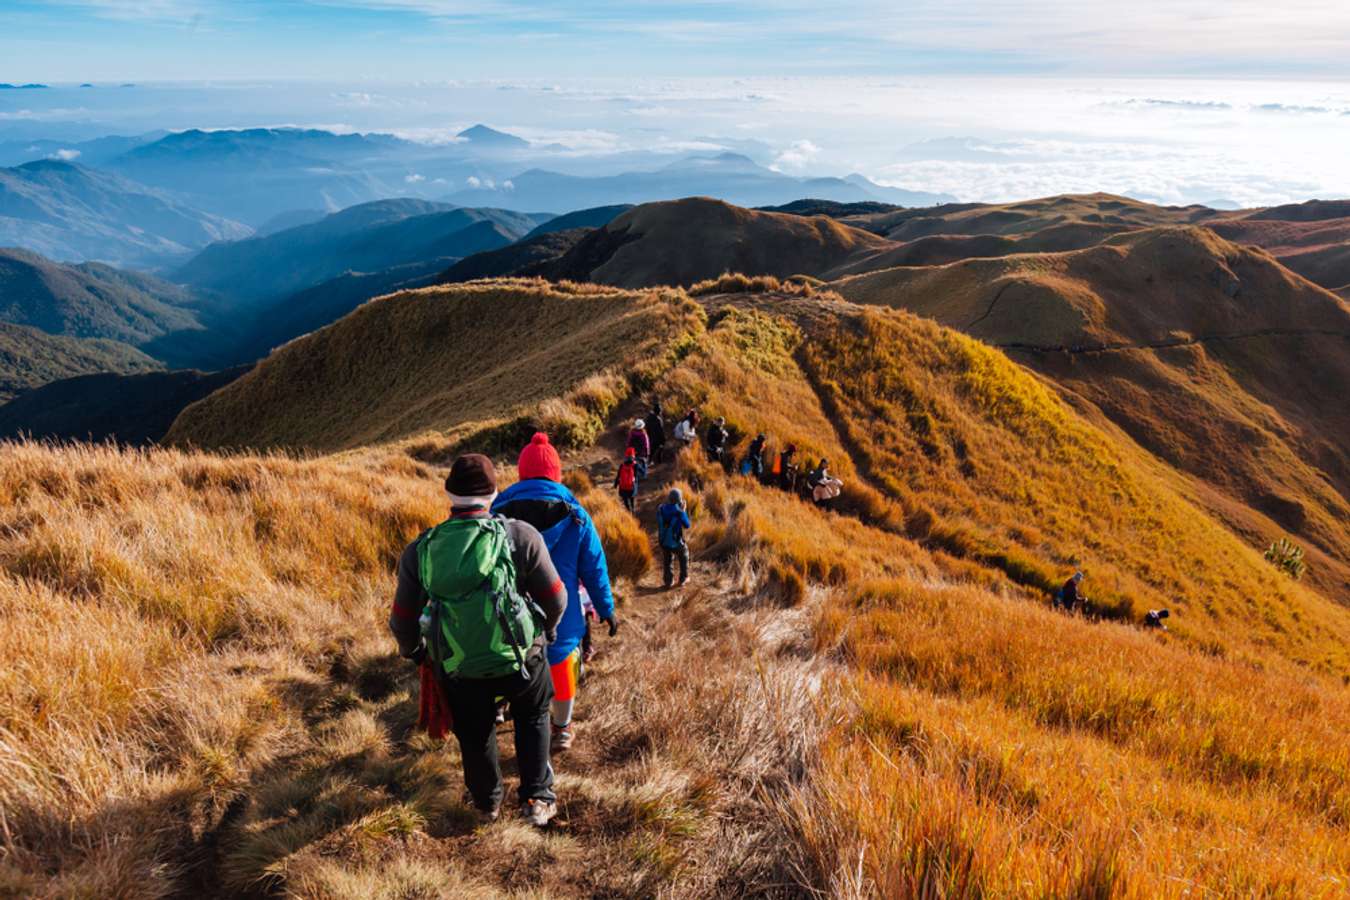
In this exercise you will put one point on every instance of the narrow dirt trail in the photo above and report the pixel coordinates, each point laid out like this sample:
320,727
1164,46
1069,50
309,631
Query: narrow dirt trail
619,790
691,725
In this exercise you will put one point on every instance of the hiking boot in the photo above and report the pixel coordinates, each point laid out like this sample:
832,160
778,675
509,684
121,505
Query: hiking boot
539,812
562,738
488,816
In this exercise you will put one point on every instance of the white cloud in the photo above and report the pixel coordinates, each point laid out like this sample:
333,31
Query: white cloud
66,155
508,185
414,178
798,155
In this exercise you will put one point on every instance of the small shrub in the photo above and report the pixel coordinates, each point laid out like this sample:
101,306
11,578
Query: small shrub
1287,556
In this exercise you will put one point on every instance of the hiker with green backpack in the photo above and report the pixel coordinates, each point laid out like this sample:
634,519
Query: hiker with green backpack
477,601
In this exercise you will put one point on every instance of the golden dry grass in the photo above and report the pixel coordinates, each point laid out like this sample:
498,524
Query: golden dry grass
873,700
682,242
997,747
1247,399
439,358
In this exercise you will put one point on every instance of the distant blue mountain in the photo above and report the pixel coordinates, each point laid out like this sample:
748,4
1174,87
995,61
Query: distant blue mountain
731,177
69,212
483,136
367,238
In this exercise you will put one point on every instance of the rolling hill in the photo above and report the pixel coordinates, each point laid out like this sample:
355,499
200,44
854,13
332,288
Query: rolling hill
90,300
72,213
436,377
1212,356
361,239
30,358
527,257
885,700
129,409
684,241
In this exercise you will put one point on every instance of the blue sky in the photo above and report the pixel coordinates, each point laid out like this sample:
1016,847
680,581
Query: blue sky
1177,101
118,40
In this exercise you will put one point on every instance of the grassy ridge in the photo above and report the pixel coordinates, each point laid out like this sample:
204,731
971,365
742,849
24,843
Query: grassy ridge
997,747
434,359
884,704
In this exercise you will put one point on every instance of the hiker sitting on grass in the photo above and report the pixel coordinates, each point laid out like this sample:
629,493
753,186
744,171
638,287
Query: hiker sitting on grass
477,599
656,433
672,520
824,486
1070,598
716,440
686,430
626,480
541,499
1154,619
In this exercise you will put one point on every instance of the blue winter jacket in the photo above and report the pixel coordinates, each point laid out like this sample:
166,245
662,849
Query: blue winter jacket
673,520
574,545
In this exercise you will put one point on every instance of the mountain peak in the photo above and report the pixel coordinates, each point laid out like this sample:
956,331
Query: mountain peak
485,136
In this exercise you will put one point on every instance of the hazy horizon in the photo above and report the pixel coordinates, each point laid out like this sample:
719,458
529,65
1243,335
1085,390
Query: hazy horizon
978,138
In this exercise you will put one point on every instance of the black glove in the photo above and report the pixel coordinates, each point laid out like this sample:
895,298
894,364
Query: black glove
613,621
417,656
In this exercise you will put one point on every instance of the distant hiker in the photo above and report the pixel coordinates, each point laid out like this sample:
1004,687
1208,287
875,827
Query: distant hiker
824,486
656,433
716,440
541,499
785,469
754,457
686,430
1154,619
639,441
477,598
672,520
626,480
1069,597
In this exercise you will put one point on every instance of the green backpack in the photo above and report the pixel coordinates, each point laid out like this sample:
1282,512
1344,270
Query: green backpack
476,624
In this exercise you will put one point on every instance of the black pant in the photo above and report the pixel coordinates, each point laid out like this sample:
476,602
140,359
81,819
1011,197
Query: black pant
668,556
629,499
473,704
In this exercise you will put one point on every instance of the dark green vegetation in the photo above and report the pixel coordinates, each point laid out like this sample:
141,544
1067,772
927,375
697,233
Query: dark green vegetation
29,358
130,409
94,300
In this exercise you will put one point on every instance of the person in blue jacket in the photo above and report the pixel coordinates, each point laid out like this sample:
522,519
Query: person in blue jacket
672,521
541,499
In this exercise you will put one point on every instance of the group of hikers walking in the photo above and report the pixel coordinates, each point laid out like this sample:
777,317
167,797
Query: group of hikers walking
646,446
495,604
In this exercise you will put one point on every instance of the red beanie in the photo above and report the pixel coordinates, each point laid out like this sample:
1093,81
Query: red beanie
539,459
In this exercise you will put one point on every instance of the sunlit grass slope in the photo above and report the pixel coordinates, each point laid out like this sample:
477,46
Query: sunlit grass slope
200,695
434,359
997,747
1213,357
